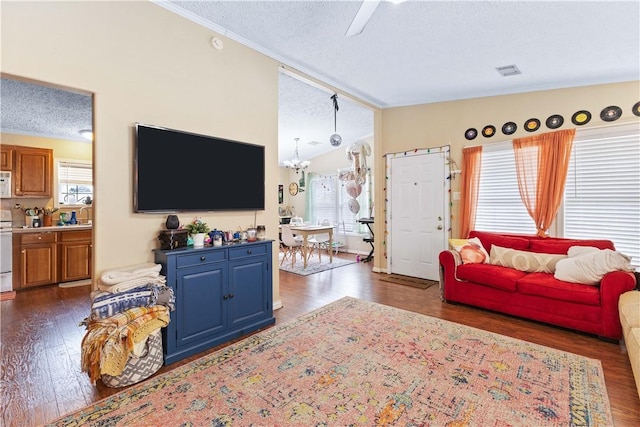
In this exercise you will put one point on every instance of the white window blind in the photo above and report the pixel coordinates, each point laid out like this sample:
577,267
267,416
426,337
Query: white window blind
500,208
602,193
324,198
328,200
75,182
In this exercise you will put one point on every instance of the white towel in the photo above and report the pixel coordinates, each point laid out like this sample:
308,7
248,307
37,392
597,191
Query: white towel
130,284
123,274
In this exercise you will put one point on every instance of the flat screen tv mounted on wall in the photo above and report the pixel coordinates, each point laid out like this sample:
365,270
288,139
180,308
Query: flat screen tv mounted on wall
178,171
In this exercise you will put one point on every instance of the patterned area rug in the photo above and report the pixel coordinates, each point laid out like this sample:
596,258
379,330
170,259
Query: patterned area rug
313,266
358,363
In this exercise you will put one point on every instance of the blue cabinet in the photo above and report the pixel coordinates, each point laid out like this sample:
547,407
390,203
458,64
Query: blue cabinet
221,294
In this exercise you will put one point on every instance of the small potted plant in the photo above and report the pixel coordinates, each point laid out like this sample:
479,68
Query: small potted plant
198,230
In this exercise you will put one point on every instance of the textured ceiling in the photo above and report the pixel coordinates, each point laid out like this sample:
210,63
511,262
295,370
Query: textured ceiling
31,109
412,53
427,51
306,112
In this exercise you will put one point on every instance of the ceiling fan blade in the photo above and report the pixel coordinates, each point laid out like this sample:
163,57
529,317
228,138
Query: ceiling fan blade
362,17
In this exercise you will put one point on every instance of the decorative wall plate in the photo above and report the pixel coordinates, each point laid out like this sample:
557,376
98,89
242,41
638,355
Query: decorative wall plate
471,133
554,121
509,128
611,113
636,109
488,131
532,125
581,117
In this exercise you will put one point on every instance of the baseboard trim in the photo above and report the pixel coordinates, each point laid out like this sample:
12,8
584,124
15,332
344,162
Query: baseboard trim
7,296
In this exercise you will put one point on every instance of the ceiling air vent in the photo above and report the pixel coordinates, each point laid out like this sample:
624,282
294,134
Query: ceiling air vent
314,142
508,70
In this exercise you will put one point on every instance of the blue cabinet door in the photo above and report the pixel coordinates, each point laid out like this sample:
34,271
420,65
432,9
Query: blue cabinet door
200,310
250,285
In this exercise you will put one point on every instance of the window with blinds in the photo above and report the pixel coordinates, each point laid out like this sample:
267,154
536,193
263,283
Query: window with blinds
330,201
602,192
75,182
323,189
500,208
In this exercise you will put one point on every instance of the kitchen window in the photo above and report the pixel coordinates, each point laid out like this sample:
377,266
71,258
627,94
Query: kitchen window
75,182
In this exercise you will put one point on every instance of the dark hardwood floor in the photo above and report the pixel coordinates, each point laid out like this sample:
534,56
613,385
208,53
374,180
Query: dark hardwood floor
41,377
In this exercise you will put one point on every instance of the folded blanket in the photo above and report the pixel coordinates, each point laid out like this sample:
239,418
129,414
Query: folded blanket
106,304
130,284
123,274
108,342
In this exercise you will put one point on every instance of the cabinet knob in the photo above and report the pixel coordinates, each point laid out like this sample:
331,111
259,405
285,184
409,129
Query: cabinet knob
203,258
39,237
249,251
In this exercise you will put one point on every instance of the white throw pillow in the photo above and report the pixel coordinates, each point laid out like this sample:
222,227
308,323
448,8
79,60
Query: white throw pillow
575,251
590,267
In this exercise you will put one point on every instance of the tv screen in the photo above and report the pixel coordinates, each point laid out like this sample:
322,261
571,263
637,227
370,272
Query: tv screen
180,171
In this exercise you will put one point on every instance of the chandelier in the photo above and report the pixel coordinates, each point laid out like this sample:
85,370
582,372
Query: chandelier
295,163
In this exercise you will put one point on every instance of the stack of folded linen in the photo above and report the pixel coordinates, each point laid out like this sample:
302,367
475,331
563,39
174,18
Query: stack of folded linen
130,305
122,279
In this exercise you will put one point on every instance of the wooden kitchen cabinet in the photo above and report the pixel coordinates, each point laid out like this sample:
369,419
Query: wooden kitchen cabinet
37,259
74,250
6,157
33,172
48,257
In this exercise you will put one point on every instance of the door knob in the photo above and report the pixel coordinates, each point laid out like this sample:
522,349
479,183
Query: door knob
439,227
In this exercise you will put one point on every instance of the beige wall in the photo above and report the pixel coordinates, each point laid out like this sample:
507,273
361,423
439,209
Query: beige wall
62,148
146,64
444,123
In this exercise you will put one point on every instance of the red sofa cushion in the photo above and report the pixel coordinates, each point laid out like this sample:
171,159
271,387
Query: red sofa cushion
545,285
561,246
489,239
494,276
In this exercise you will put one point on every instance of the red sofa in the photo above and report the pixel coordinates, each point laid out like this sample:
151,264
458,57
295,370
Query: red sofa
536,296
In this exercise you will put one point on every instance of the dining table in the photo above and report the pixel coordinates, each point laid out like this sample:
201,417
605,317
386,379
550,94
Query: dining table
306,230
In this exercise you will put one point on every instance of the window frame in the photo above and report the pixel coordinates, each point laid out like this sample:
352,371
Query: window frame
84,164
558,226
340,203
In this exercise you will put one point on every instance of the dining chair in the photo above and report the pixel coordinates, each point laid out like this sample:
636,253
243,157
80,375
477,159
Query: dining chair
318,242
296,220
291,244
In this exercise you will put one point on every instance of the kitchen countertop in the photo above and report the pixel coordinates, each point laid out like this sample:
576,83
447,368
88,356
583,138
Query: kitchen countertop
53,228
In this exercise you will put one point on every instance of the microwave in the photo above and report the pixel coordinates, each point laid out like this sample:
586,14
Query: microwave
5,184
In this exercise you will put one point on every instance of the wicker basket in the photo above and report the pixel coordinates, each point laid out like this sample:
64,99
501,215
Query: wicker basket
139,368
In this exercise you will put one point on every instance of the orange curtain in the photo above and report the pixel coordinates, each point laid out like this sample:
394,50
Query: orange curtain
471,161
541,168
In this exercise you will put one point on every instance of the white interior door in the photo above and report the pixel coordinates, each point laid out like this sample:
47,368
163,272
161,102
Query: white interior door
417,214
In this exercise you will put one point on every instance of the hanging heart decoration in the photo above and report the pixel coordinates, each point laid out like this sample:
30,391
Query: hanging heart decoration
354,206
353,189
